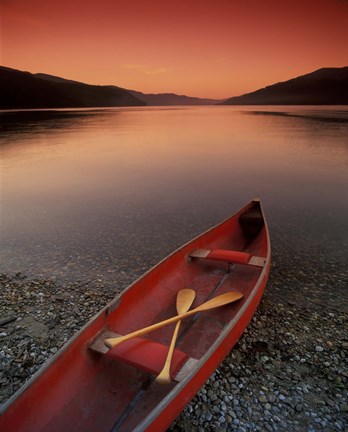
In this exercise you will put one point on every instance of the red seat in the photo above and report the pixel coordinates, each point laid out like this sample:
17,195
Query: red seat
147,355
233,257
229,256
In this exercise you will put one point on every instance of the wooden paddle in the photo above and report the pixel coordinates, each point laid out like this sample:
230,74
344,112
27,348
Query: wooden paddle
215,302
184,301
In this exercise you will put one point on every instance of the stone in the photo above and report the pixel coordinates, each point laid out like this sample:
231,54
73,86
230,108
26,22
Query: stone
262,398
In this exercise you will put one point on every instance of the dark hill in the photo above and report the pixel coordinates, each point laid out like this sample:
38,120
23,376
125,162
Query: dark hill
327,86
162,99
25,90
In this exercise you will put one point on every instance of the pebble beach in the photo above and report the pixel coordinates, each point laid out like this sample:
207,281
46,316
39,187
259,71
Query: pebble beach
288,371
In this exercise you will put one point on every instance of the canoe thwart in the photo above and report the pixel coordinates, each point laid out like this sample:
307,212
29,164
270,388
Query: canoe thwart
235,257
144,354
97,344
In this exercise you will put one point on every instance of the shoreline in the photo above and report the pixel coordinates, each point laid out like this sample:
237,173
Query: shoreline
288,372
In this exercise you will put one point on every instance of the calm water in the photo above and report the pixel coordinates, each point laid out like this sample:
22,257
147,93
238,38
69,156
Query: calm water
104,194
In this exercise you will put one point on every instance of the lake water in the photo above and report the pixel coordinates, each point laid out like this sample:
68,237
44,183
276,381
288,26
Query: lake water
103,194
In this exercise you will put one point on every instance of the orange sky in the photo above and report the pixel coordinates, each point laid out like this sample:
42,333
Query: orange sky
206,48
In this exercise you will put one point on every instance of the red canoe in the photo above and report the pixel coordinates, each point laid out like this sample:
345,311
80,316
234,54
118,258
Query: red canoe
88,387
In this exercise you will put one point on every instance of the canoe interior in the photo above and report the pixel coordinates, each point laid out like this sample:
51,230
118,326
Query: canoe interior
84,390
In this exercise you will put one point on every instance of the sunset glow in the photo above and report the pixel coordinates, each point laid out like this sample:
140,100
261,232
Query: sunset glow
202,48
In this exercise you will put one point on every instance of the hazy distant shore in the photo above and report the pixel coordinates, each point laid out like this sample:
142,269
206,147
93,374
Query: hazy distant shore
335,116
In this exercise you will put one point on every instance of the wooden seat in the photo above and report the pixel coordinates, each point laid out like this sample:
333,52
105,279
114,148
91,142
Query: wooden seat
234,257
144,354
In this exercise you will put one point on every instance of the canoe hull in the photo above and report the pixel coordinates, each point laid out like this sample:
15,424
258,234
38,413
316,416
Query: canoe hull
82,390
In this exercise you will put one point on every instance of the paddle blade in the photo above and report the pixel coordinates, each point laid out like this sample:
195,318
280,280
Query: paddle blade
220,300
184,300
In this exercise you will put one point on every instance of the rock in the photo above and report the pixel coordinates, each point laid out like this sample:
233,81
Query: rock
299,407
262,398
344,407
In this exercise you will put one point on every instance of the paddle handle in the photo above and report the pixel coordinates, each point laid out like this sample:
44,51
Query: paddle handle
164,376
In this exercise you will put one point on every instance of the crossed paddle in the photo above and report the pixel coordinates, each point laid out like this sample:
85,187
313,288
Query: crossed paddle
184,300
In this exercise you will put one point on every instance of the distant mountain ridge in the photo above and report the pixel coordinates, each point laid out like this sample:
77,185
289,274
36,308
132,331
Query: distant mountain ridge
25,90
326,86
19,89
158,99
22,90
162,99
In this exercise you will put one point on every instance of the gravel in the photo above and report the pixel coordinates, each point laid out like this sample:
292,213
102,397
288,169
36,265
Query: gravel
288,371
37,317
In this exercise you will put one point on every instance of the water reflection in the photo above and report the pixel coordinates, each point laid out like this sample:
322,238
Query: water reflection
86,192
332,115
22,122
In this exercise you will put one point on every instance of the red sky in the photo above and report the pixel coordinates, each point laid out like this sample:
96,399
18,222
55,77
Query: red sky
206,48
